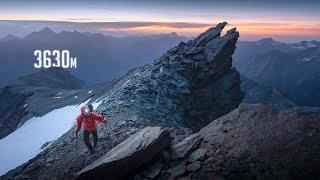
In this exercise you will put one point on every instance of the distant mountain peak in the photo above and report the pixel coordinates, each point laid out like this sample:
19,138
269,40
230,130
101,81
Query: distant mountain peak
269,39
46,30
173,34
9,37
52,77
44,33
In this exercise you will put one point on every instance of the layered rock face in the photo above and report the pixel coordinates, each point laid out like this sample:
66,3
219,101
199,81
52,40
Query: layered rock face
188,85
195,80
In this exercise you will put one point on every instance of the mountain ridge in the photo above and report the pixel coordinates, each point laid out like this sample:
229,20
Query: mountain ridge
99,56
36,95
290,68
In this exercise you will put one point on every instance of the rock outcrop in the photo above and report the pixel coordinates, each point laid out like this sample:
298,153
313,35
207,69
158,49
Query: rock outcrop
195,81
129,155
189,85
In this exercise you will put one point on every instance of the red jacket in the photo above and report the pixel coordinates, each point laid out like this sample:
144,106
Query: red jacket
89,123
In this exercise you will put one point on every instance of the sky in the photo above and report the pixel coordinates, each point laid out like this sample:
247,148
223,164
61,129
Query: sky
286,19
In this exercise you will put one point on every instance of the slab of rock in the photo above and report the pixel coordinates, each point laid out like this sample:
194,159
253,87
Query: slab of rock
198,155
194,166
182,148
178,169
137,150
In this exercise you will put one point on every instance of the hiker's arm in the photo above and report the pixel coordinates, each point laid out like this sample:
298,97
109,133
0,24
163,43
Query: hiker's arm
98,117
79,123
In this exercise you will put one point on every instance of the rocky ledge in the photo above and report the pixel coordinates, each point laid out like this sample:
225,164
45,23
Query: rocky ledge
129,155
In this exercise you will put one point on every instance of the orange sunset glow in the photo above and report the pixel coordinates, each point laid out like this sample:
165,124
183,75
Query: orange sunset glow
290,21
246,29
160,29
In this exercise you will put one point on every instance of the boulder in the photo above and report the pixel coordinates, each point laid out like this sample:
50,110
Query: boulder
198,155
178,169
194,166
129,155
182,148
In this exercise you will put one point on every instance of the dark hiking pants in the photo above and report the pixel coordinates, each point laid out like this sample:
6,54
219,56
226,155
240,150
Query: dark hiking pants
86,139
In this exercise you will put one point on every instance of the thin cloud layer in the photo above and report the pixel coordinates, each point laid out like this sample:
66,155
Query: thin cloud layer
248,30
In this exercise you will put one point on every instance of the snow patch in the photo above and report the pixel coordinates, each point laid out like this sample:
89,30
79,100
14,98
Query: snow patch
90,92
25,142
304,45
96,104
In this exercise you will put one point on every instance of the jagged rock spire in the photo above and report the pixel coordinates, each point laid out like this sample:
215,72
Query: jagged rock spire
196,81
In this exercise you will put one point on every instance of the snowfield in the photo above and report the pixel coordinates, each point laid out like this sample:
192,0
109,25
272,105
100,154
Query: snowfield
25,142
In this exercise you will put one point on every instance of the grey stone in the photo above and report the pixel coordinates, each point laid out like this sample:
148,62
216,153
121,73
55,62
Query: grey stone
181,149
178,169
198,155
186,78
194,166
134,152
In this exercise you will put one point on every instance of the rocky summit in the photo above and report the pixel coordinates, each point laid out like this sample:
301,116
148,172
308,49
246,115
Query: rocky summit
185,89
188,85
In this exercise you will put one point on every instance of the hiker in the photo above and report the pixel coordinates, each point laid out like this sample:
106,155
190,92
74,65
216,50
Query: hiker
88,118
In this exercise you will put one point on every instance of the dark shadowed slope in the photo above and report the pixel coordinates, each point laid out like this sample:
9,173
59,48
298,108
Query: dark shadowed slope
293,69
257,93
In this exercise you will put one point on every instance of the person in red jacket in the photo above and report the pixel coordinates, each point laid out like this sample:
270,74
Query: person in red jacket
87,119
